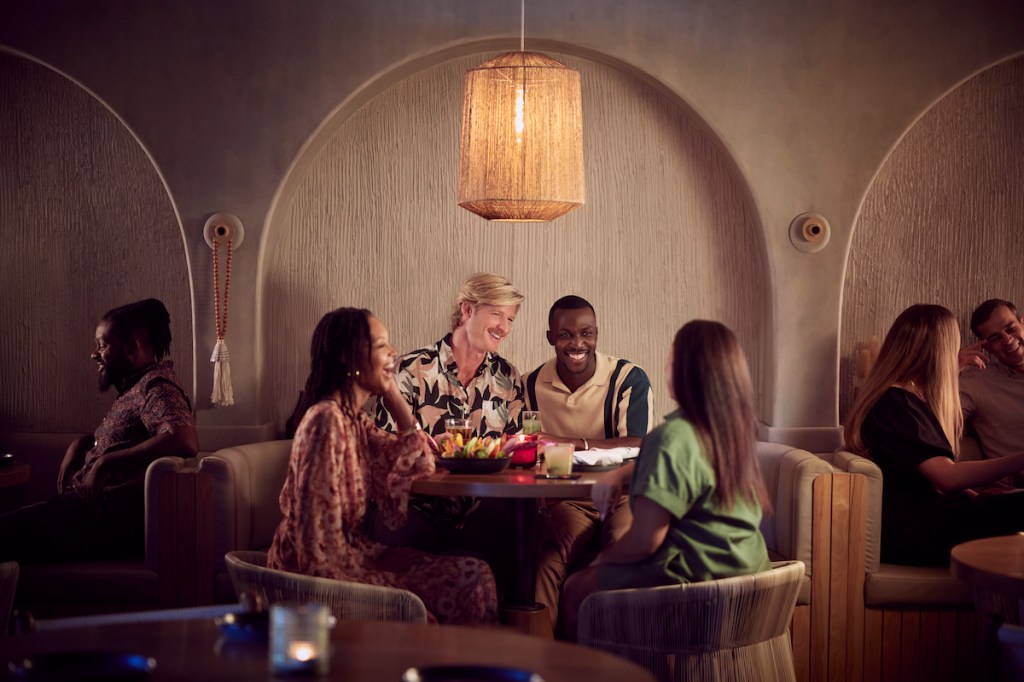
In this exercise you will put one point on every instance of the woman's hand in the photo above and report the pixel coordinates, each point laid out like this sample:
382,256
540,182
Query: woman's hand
396,404
605,492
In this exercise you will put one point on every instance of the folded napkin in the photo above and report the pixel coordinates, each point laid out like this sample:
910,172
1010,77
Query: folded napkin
609,457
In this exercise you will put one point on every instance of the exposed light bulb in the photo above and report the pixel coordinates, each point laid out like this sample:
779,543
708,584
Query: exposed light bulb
519,115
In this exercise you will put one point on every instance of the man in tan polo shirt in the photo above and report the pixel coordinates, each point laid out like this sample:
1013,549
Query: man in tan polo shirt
591,400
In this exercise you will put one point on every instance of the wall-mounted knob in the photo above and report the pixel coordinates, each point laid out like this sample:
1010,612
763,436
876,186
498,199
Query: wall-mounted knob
809,232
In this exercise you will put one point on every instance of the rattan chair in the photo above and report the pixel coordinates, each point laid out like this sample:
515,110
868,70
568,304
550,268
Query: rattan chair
347,600
728,629
8,586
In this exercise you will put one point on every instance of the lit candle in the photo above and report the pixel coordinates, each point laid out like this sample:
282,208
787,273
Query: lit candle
301,651
298,639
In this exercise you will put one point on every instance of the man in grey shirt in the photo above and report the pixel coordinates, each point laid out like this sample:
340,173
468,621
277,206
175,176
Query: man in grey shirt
992,379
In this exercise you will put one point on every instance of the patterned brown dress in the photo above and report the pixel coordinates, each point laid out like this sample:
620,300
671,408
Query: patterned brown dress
336,467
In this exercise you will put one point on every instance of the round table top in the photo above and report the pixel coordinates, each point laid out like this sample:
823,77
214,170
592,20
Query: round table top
992,564
511,483
361,651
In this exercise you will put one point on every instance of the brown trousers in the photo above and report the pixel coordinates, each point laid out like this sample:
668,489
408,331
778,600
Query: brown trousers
572,536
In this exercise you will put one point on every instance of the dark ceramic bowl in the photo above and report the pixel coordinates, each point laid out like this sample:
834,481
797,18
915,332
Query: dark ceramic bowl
470,465
6,458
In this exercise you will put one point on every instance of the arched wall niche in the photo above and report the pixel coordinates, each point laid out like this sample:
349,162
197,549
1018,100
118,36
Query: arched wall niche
367,217
941,222
88,225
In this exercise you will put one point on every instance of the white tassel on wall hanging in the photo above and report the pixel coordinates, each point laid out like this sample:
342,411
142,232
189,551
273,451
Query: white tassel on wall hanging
222,229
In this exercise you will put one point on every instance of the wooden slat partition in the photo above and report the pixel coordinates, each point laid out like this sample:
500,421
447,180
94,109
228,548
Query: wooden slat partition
185,539
832,649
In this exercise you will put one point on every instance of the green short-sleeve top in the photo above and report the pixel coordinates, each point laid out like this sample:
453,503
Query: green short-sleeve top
705,540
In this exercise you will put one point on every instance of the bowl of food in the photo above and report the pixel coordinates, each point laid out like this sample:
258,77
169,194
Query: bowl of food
475,456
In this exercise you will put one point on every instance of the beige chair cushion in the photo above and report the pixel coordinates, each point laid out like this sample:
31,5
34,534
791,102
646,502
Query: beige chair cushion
894,585
247,482
789,474
855,464
105,586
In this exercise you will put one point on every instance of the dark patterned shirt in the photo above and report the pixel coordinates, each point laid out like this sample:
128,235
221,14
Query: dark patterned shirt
154,403
429,380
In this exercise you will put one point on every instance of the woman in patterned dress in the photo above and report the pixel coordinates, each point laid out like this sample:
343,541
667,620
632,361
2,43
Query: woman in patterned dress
340,461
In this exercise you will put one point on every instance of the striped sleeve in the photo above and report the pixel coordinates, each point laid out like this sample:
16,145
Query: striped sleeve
635,404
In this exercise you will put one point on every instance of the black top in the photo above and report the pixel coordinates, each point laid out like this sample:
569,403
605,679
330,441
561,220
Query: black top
919,524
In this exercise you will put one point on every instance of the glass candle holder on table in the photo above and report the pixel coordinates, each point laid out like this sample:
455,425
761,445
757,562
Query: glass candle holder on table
299,639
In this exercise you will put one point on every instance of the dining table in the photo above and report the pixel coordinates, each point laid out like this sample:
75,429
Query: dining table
526,490
994,568
360,651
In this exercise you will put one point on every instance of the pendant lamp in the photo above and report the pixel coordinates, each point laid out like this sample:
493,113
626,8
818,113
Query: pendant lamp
521,152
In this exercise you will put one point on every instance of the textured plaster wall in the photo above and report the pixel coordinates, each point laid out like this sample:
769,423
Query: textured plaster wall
667,233
87,226
942,222
233,100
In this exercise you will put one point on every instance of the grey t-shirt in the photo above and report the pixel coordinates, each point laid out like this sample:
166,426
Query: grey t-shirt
992,400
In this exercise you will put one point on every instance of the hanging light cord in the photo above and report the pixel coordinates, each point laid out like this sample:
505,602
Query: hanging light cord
522,26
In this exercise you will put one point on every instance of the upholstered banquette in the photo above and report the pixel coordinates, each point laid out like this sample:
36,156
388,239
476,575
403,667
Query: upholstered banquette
914,622
174,497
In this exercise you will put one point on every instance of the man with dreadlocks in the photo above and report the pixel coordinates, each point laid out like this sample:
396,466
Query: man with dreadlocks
99,511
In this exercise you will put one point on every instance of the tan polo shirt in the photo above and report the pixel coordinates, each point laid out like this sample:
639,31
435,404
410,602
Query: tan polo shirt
616,402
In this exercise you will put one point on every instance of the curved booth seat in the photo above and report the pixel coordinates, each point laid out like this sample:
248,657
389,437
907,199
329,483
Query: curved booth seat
174,497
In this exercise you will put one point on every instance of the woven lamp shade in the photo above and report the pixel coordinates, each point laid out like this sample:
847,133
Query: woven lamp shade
521,154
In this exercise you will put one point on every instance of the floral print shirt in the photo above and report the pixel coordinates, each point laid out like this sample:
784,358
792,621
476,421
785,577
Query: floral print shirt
154,403
429,380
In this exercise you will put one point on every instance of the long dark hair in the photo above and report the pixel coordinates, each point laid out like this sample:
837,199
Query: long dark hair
712,385
920,347
147,320
340,347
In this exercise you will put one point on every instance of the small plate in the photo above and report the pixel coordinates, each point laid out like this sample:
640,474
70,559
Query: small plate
81,666
556,477
595,468
470,465
469,673
244,627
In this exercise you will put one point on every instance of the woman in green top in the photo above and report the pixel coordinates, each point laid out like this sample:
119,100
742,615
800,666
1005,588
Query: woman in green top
695,490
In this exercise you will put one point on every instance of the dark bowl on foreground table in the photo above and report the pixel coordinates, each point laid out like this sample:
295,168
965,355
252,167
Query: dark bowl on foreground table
471,465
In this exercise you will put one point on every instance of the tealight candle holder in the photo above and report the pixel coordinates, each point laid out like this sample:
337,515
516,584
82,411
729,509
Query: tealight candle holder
299,639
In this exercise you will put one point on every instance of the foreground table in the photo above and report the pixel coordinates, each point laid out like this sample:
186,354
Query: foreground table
360,651
994,568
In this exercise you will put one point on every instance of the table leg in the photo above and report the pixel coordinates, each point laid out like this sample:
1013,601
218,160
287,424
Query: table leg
521,591
520,609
